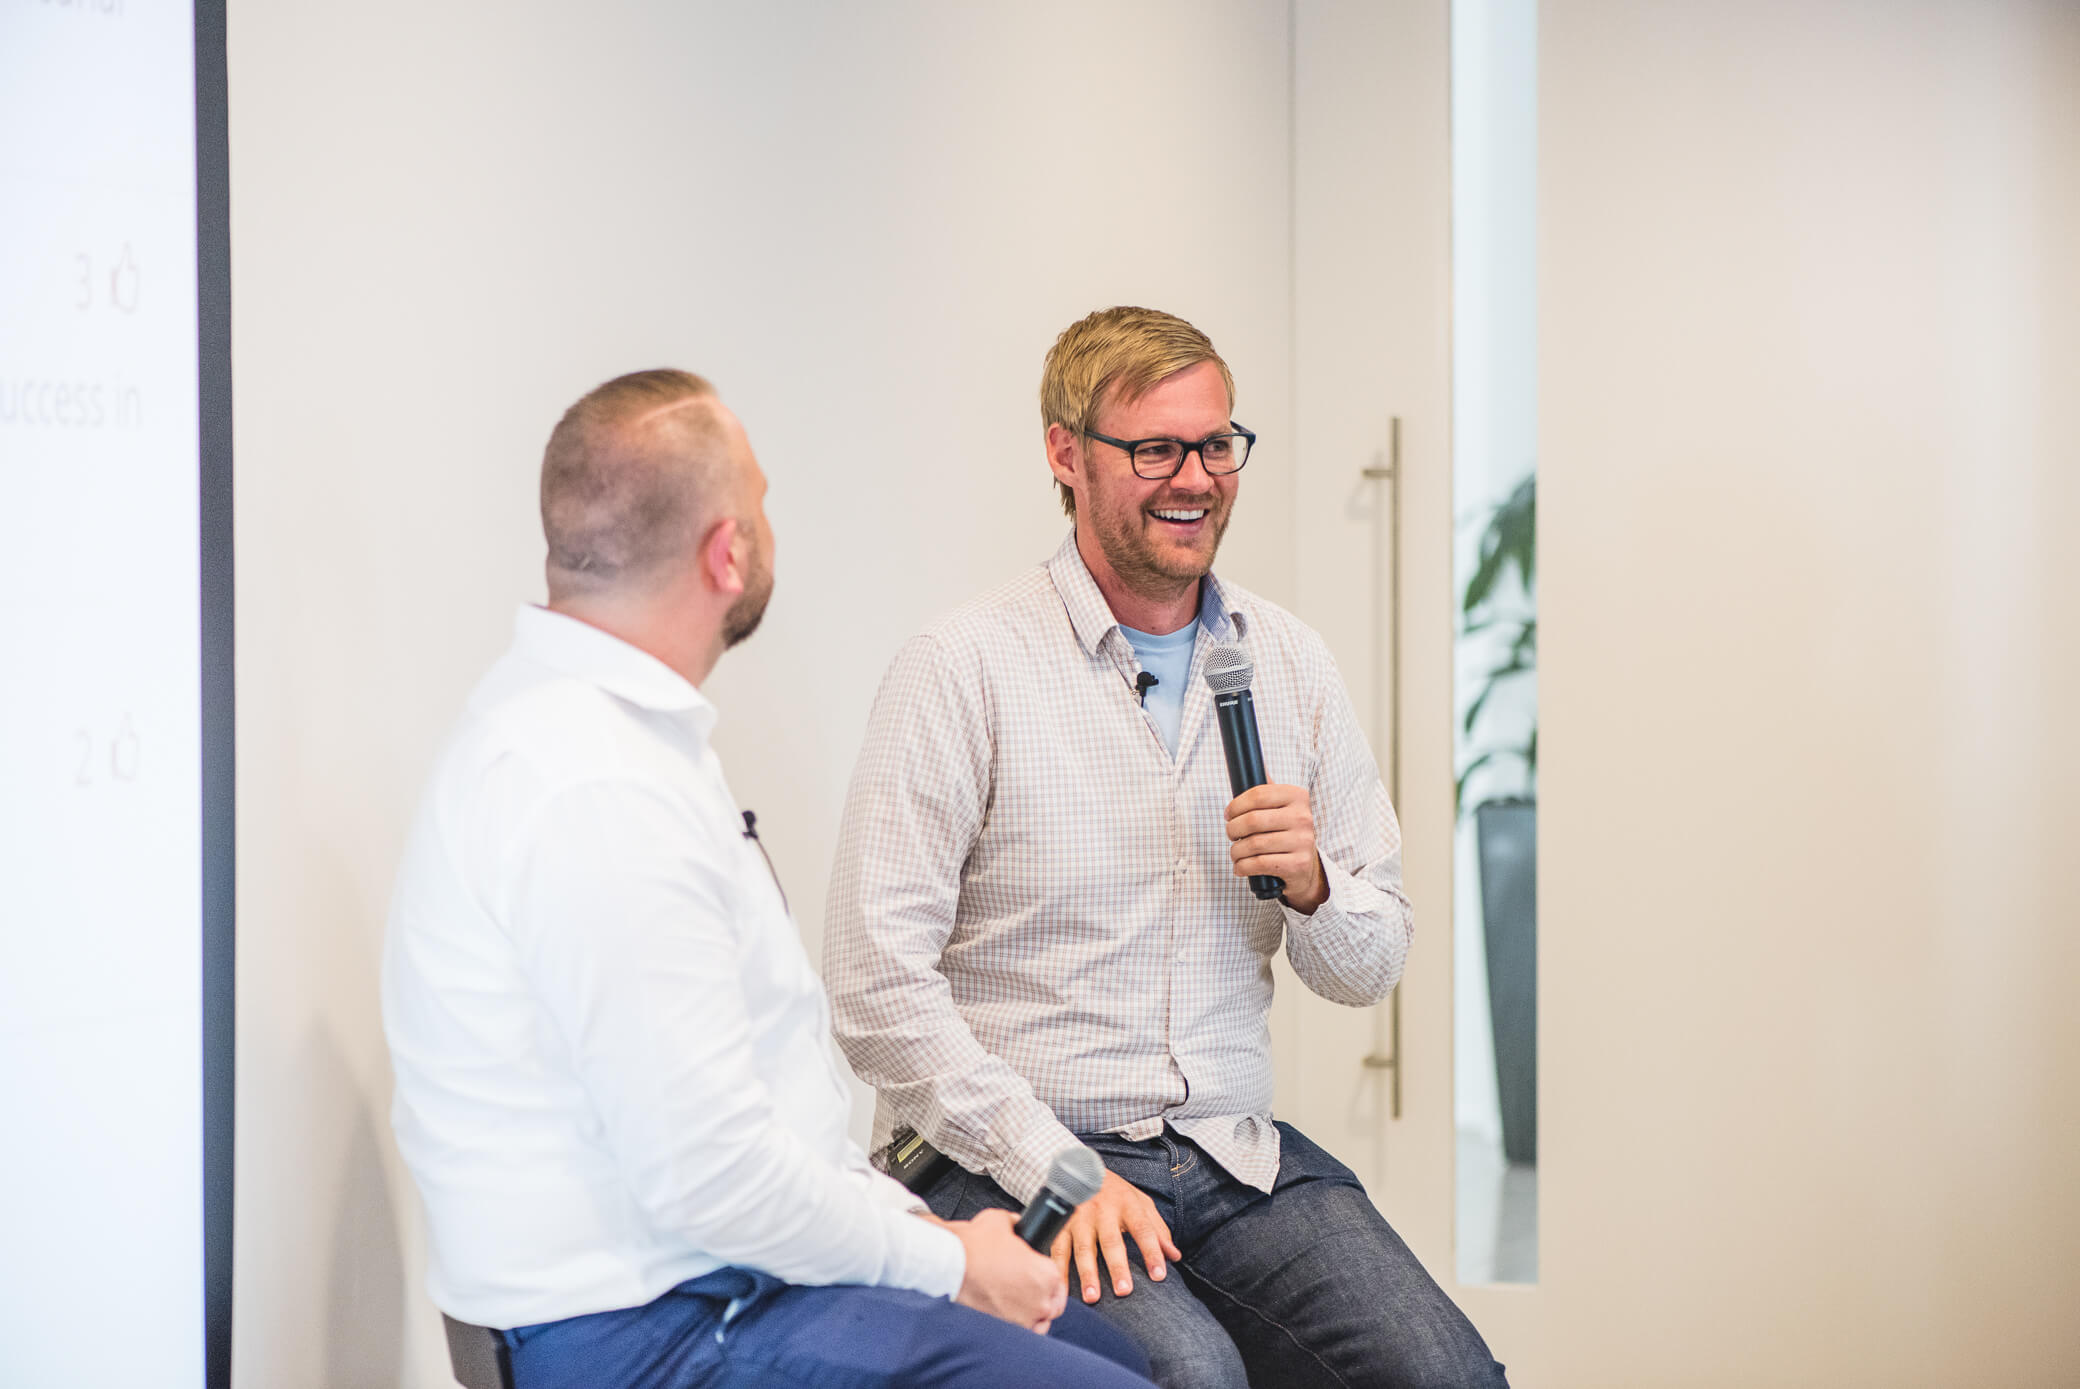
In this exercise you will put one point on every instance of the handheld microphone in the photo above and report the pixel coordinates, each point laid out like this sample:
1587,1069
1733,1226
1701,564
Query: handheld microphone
1228,673
1075,1178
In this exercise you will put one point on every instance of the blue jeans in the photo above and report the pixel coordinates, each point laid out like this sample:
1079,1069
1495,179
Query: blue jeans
1306,1286
733,1328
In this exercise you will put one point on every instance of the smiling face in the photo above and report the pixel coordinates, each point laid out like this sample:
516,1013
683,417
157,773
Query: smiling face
1158,537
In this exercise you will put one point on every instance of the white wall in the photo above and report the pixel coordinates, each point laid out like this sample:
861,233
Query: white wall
865,223
1808,445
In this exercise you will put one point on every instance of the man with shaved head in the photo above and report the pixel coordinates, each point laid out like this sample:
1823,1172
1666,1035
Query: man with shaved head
631,472
615,1085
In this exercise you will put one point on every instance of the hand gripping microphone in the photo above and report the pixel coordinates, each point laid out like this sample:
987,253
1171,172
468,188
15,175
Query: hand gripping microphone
1075,1178
1228,673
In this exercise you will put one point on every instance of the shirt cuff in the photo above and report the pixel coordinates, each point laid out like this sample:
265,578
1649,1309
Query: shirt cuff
1347,894
1336,882
1024,1159
925,1258
885,1190
1352,949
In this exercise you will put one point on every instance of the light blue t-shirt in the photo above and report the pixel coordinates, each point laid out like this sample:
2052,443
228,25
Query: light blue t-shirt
1169,659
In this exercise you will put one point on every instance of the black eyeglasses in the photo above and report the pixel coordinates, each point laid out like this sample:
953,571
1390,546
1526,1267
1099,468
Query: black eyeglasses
1156,459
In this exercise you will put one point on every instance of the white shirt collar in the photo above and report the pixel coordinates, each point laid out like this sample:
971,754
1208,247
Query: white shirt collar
582,651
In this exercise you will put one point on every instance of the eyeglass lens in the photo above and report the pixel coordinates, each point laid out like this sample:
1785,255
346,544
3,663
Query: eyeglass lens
1223,453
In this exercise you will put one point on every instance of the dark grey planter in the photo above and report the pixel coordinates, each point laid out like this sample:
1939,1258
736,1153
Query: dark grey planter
1508,837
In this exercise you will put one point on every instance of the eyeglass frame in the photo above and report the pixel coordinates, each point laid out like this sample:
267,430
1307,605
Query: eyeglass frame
1128,446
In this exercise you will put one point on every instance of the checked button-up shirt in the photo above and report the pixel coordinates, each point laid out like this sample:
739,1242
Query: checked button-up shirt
1034,929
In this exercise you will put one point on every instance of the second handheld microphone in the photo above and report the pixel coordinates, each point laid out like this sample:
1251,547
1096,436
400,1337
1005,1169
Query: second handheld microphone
1075,1178
1229,671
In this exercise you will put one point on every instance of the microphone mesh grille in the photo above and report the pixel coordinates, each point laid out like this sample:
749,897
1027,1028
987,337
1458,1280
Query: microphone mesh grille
1076,1175
1228,667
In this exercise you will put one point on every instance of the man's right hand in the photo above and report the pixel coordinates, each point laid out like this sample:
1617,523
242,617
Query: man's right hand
1120,1208
1006,1277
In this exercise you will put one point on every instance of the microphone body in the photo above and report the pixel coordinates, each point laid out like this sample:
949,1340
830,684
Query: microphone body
1228,673
1044,1219
1075,1178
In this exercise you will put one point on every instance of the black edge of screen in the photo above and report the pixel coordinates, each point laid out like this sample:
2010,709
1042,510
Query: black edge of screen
219,763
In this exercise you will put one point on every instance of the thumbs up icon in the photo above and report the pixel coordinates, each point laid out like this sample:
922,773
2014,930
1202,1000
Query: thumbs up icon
122,282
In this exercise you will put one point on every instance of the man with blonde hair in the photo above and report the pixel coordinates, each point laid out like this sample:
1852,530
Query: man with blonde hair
615,1085
1038,926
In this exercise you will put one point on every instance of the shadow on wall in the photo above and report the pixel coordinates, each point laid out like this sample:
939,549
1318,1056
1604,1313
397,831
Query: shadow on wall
365,1291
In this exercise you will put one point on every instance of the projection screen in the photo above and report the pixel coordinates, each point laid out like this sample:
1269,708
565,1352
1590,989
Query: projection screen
115,707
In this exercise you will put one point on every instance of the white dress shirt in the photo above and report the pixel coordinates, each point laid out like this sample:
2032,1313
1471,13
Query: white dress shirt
613,1060
1034,928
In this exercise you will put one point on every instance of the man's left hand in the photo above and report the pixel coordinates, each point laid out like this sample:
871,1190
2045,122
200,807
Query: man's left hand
1271,829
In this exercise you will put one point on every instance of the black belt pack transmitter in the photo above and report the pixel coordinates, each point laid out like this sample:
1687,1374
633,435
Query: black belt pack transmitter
914,1162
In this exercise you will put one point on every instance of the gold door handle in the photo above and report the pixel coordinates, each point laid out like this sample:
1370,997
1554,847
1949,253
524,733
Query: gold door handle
1386,701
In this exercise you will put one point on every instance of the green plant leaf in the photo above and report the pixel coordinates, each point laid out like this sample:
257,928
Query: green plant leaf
1508,541
1519,524
1459,787
1485,573
1511,539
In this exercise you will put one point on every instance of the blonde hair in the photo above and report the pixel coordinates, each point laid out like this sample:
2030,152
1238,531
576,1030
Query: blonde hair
625,478
1117,354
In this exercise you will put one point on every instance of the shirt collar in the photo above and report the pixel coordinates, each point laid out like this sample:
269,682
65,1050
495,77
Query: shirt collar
584,652
1092,617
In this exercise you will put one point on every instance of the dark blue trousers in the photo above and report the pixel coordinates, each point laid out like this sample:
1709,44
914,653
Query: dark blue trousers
1304,1286
734,1327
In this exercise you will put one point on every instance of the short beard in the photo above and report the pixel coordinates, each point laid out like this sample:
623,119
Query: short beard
1142,572
749,610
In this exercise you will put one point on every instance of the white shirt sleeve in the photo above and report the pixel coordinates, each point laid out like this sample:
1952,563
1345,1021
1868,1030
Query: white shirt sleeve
621,908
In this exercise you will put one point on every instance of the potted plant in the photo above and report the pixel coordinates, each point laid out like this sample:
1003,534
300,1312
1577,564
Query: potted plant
1506,825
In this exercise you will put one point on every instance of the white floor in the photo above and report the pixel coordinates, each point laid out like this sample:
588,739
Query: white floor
1498,1214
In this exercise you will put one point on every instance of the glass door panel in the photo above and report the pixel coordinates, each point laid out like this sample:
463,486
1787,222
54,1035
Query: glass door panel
1495,430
